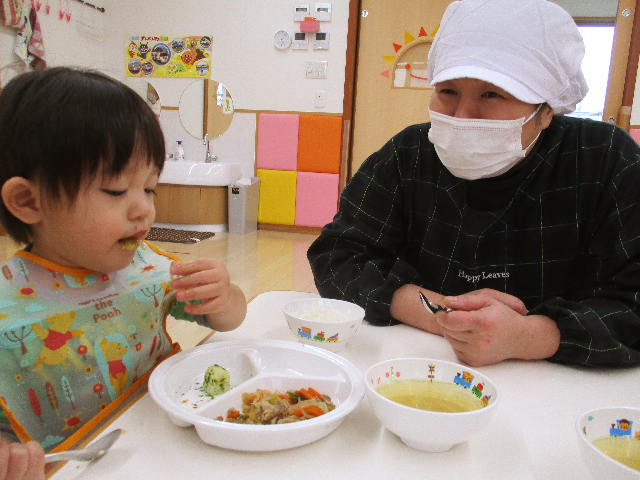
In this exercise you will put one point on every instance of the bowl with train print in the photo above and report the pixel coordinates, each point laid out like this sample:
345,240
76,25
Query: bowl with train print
430,404
323,322
609,439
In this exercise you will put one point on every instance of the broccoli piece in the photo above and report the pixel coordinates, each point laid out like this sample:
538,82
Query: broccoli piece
216,381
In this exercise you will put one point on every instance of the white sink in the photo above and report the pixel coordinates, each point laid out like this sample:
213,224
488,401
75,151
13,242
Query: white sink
206,174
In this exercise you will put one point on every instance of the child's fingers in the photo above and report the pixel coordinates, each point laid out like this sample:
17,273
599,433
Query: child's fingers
35,467
216,273
18,460
210,305
21,462
214,279
204,292
5,451
187,268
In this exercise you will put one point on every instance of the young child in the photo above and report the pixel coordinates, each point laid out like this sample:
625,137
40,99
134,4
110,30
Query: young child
83,306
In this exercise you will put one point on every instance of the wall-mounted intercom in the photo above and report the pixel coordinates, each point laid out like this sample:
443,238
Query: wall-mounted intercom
300,41
321,41
322,12
300,10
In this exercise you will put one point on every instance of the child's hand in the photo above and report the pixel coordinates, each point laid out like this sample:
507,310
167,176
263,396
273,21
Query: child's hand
21,462
208,280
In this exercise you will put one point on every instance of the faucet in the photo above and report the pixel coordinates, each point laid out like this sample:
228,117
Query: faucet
208,158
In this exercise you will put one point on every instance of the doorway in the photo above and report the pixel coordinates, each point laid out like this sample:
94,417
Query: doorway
390,39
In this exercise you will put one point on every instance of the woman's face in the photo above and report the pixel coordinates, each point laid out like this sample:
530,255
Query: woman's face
472,98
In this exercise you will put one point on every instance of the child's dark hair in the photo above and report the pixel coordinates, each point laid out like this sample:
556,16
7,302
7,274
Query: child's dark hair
63,126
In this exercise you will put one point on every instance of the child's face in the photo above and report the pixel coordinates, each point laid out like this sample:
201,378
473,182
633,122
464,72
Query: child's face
85,233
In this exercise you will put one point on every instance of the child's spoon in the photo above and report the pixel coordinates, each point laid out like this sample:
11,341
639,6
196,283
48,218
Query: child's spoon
93,451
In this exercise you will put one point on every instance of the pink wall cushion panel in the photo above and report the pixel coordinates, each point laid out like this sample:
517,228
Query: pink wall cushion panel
316,198
277,141
635,133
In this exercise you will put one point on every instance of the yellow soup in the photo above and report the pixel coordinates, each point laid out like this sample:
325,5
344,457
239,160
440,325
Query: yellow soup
625,450
433,396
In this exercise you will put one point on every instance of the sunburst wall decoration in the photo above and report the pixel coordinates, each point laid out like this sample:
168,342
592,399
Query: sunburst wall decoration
409,65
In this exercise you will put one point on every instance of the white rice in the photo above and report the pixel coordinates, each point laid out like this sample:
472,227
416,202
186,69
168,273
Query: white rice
322,314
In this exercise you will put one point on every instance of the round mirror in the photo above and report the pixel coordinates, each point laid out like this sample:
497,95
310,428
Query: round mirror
147,91
206,107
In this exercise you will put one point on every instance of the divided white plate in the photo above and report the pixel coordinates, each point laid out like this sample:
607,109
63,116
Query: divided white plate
267,364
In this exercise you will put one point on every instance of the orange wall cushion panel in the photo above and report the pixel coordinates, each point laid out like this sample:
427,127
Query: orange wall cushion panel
319,141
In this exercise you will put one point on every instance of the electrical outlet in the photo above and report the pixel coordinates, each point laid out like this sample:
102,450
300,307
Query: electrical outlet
319,99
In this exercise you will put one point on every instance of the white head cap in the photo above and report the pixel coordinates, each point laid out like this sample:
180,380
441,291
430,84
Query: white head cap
529,48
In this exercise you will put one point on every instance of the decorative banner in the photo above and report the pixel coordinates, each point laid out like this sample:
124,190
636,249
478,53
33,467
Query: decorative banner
158,56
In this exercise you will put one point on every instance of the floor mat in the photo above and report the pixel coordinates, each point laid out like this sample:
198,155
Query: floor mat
158,234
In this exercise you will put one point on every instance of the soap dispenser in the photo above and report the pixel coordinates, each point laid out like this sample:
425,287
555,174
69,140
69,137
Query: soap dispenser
178,156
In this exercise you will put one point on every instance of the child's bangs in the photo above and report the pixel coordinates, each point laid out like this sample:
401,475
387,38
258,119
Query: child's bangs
100,130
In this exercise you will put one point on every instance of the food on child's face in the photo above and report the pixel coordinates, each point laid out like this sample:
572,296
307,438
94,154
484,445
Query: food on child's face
216,380
433,396
264,407
130,243
625,450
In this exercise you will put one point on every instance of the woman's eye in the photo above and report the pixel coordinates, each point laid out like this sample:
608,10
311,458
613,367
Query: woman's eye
150,190
447,91
491,94
115,193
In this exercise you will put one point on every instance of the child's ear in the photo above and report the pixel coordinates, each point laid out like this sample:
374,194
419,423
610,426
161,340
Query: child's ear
22,199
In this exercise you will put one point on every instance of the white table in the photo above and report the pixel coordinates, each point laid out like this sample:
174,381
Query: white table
531,436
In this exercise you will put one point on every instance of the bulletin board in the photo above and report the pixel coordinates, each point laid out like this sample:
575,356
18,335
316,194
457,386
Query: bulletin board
168,56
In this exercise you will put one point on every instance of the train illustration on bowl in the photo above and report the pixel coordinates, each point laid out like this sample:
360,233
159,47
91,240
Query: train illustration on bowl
305,332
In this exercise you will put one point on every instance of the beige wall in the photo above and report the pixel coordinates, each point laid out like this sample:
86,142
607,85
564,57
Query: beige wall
258,76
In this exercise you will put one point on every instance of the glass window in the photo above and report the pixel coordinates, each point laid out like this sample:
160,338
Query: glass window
598,43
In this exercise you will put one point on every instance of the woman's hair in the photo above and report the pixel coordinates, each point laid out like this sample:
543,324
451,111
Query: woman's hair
61,127
541,111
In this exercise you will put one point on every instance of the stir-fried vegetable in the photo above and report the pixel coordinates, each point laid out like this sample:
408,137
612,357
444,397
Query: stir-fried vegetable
266,408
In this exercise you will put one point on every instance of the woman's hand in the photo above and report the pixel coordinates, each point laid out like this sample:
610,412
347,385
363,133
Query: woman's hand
208,280
487,326
21,462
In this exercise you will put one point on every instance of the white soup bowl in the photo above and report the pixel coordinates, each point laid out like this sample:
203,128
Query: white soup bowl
607,422
425,430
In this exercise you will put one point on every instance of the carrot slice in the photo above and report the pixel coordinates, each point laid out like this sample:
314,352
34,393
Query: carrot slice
298,411
314,393
233,413
314,410
305,393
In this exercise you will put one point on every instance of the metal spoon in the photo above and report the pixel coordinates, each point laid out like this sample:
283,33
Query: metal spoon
432,307
93,451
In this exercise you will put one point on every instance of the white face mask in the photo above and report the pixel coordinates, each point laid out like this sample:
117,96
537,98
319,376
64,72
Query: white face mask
473,148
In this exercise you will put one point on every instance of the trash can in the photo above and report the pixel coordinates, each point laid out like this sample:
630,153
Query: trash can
243,205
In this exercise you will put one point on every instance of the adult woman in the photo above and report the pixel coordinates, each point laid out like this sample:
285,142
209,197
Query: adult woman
523,221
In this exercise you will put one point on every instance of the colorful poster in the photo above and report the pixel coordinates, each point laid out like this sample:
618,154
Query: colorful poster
162,56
